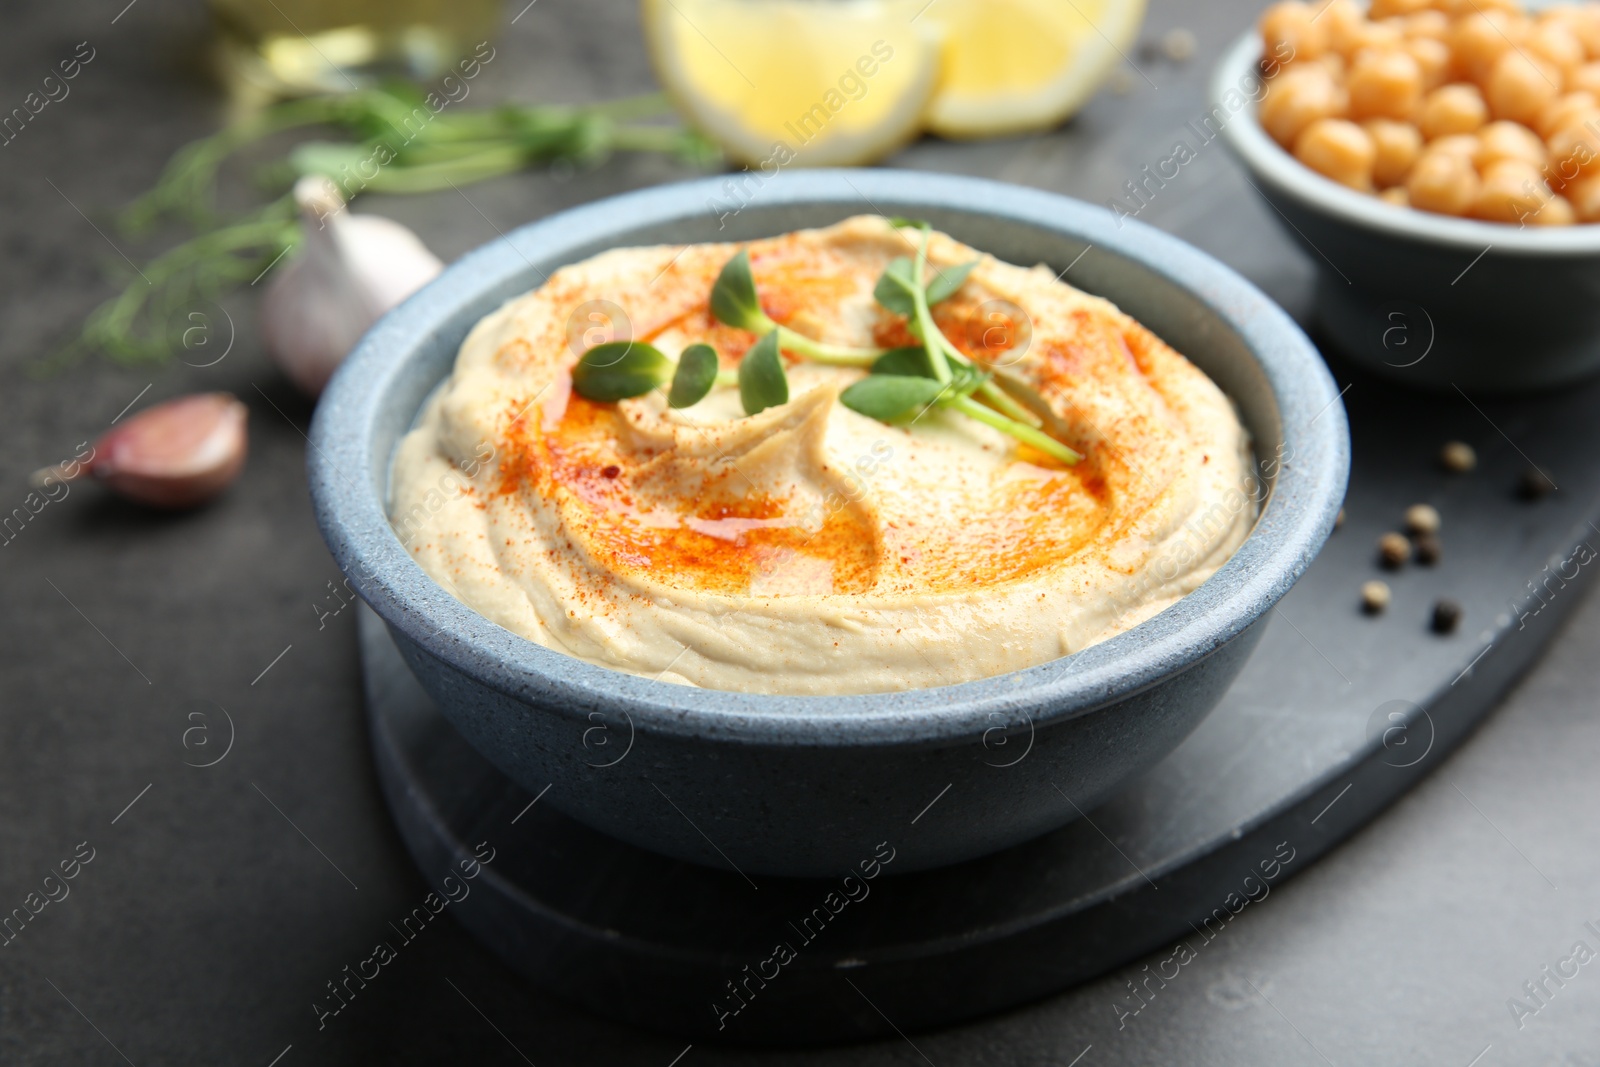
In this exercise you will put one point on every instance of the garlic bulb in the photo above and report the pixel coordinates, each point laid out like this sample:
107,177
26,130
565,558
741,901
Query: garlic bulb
349,270
177,454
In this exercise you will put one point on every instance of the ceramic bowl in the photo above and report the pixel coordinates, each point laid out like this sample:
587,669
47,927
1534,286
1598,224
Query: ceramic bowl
813,786
1428,300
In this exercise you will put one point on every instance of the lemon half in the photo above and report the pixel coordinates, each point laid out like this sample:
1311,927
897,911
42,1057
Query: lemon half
780,82
1015,65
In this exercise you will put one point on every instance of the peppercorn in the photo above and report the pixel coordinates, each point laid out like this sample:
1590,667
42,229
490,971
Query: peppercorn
1422,519
1446,616
1457,457
1374,597
1534,484
1428,549
1393,550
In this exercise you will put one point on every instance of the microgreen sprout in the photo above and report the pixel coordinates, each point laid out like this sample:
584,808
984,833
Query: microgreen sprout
762,382
618,370
902,383
735,303
695,376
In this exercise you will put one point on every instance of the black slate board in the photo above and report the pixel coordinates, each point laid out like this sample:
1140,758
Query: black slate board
1335,716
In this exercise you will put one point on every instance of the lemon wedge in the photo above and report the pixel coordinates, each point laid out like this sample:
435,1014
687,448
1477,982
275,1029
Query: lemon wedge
1015,65
780,82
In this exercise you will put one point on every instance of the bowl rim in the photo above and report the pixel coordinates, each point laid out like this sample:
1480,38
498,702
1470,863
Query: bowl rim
1268,161
1290,530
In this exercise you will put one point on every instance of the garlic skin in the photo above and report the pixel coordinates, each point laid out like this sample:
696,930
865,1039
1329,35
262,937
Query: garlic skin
349,270
175,455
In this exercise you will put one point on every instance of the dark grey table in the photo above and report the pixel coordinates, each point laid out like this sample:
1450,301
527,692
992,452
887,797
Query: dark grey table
220,901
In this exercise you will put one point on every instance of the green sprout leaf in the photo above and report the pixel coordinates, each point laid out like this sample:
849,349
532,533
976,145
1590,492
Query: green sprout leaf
618,370
734,300
887,397
910,362
897,287
696,374
762,382
948,282
966,380
900,222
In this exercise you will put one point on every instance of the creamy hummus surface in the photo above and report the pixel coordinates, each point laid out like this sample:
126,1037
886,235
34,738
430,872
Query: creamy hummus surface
810,549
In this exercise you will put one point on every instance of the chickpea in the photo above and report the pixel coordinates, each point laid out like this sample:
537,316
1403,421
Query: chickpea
1472,108
1375,37
1434,25
1456,144
1584,196
1456,9
1342,21
1458,108
1334,64
1289,32
1585,78
1575,147
1398,144
1383,9
1557,211
1433,59
1384,85
1585,26
1510,191
1442,182
1520,87
1508,140
1478,40
1562,111
1298,97
1338,149
1582,23
1556,44
1514,170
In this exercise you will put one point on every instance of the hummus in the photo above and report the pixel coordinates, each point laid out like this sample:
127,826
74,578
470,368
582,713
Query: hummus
810,549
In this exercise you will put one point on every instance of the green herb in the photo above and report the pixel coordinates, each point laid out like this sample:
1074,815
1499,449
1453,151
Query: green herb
696,374
898,287
887,397
903,381
762,382
394,143
948,282
899,291
618,370
911,361
1028,435
734,302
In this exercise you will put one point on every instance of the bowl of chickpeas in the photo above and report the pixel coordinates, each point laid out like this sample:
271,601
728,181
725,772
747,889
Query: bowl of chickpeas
1439,160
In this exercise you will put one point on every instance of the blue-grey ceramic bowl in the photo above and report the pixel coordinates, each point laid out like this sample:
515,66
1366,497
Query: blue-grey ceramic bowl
817,786
1427,300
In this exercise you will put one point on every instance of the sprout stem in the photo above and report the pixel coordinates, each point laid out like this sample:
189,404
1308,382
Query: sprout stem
933,341
1029,436
818,352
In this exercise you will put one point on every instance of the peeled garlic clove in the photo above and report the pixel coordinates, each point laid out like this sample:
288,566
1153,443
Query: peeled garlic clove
350,269
174,455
